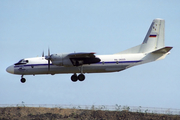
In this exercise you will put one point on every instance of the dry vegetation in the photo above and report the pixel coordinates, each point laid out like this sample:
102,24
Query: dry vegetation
30,113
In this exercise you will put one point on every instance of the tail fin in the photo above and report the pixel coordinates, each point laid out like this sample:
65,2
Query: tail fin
154,39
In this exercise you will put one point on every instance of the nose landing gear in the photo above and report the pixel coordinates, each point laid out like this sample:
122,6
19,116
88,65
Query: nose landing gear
23,80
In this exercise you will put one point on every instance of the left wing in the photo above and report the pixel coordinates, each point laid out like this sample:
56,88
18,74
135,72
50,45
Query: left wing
78,59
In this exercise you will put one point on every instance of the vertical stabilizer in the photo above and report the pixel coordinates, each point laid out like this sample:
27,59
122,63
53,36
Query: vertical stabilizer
155,37
153,40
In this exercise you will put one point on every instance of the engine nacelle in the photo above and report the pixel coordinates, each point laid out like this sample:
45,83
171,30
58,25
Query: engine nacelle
61,60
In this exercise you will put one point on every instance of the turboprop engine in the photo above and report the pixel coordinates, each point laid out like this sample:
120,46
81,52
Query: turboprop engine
59,59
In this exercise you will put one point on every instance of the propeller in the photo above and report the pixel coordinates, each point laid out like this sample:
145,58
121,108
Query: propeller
48,58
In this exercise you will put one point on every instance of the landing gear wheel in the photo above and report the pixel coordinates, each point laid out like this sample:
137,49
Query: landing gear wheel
74,78
23,80
81,77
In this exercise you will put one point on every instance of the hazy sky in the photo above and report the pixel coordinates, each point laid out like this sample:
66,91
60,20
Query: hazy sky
105,27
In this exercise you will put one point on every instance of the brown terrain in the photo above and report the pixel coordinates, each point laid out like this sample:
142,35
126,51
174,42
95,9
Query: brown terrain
33,113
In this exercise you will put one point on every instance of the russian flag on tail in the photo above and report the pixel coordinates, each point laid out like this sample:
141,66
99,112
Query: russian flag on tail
152,35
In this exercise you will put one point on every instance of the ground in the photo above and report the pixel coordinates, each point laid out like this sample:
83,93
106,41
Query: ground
33,113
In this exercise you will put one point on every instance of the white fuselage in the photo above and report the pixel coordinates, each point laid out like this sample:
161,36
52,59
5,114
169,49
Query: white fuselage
152,49
108,63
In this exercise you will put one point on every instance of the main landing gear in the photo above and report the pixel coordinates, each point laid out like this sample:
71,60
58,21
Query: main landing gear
23,80
80,77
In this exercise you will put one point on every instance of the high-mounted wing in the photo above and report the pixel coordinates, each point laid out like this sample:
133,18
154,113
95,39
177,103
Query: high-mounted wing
78,59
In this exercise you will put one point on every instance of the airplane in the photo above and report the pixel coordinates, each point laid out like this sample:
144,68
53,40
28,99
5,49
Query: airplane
152,49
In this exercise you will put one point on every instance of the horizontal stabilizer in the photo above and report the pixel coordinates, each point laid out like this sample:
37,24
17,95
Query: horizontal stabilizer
163,50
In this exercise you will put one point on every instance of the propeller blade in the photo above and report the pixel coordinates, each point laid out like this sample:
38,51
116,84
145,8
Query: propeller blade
48,52
48,65
49,58
43,53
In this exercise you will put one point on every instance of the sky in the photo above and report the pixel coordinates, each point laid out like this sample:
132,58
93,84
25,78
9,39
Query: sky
27,28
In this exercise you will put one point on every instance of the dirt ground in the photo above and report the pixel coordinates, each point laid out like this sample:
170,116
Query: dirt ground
31,113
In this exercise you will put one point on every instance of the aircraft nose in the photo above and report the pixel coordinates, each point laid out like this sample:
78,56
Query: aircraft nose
10,69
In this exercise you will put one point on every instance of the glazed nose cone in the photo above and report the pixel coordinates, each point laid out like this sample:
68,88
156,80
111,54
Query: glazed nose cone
10,69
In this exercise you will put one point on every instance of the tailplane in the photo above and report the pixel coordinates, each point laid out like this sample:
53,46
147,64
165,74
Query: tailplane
153,40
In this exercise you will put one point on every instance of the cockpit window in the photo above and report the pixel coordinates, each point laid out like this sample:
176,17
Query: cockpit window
22,61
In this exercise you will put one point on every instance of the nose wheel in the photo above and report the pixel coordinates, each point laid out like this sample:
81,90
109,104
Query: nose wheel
23,80
80,77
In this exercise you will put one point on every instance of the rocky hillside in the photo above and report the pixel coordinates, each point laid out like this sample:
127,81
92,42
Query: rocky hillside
30,113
